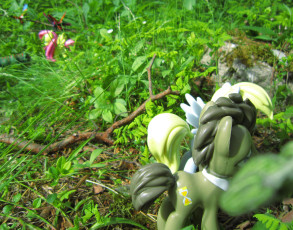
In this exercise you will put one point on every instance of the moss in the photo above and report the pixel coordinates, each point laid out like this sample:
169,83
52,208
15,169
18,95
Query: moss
250,53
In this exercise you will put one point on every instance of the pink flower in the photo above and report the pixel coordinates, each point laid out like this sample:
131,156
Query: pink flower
50,50
51,41
69,42
44,32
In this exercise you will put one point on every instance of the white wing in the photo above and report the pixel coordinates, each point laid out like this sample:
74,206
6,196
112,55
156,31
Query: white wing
192,111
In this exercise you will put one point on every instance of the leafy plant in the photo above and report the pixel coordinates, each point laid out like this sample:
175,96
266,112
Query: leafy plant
63,168
267,221
262,180
281,123
138,128
107,103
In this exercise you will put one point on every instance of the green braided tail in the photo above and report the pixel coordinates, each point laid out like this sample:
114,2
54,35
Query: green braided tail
148,183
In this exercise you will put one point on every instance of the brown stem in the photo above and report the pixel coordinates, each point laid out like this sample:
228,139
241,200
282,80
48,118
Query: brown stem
138,111
149,75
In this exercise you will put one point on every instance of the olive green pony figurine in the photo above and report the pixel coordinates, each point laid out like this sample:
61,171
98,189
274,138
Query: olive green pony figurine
222,142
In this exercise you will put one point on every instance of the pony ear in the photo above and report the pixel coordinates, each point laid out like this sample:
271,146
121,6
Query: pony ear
240,144
223,137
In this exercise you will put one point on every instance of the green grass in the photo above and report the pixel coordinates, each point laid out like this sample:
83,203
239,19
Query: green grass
45,102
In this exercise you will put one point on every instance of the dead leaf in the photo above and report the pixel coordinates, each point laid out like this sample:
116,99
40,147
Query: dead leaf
46,213
244,225
126,165
98,189
65,224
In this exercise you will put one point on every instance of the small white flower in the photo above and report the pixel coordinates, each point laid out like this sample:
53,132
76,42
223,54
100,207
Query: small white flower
163,61
144,22
110,31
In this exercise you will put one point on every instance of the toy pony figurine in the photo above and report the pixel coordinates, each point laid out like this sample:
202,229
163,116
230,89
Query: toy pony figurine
221,143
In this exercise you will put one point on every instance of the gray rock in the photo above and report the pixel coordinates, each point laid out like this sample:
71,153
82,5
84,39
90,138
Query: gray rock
260,73
279,54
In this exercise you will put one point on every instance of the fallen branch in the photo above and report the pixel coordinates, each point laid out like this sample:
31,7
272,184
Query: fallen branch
101,136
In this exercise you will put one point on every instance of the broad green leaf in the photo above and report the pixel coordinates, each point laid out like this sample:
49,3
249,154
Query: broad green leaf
121,101
179,83
117,87
83,165
51,198
189,4
85,9
186,89
53,172
119,108
87,215
138,62
60,162
166,73
16,198
158,62
37,203
186,63
67,166
101,101
107,116
289,112
65,195
31,214
138,47
116,2
7,209
98,92
95,113
95,154
104,33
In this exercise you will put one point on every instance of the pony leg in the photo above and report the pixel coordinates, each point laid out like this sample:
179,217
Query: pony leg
164,212
209,219
175,221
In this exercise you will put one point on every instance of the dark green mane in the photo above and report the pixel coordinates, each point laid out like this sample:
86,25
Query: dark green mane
242,113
